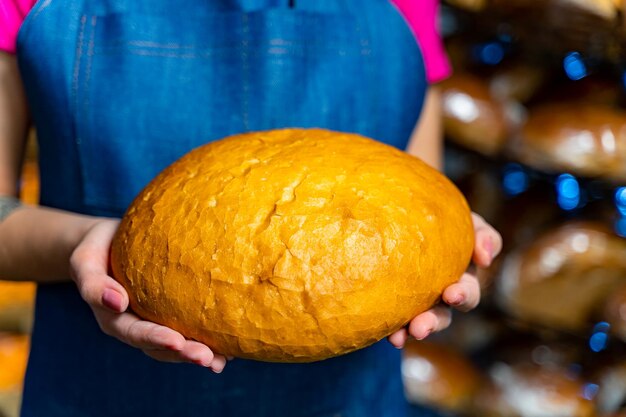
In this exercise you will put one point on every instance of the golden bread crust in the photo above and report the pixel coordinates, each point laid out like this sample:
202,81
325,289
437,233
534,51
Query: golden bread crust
292,245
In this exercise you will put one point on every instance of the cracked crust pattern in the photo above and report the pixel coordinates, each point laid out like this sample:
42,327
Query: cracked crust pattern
292,245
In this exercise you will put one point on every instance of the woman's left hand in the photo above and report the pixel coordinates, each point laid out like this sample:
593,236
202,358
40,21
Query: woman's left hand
464,295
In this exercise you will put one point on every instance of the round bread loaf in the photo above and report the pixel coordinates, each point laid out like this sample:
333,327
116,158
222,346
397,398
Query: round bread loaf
292,245
582,138
603,8
438,376
17,305
525,389
613,311
472,118
610,376
13,357
563,276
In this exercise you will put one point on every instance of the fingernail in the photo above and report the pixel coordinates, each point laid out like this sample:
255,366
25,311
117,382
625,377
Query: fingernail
428,332
112,299
458,300
489,249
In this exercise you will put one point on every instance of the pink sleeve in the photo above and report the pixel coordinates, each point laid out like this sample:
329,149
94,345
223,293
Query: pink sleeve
421,15
12,14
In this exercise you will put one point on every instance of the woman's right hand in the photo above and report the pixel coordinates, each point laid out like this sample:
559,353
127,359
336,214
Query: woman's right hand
109,301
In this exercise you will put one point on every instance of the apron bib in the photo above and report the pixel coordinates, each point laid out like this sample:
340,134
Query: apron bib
119,90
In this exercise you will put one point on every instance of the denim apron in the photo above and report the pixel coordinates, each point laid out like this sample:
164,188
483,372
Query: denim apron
120,89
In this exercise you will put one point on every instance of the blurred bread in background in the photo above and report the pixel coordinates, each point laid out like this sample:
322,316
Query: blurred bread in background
13,358
528,390
581,138
438,376
471,116
560,278
17,302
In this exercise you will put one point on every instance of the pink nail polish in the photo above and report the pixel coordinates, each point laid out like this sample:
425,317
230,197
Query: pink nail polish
458,300
112,299
489,249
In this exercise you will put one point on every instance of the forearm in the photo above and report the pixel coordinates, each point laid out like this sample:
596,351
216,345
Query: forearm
36,243
13,124
427,139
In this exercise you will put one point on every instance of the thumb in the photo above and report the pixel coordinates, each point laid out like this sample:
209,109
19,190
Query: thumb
102,291
89,266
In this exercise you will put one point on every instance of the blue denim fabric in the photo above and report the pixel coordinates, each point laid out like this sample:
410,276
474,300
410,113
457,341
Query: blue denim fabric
120,89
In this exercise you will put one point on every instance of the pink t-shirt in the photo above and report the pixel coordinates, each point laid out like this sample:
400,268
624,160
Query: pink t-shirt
420,14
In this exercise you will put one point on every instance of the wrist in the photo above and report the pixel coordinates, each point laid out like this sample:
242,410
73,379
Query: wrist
36,242
8,204
77,232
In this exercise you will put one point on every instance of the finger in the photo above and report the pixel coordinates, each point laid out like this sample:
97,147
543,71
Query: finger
139,333
100,290
201,354
488,242
89,266
98,240
463,295
197,353
433,320
218,364
95,246
398,338
193,352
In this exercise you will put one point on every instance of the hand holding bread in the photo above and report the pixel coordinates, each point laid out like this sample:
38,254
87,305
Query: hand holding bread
287,246
109,302
463,295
